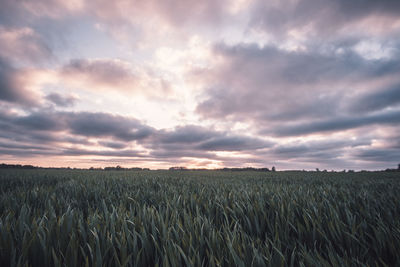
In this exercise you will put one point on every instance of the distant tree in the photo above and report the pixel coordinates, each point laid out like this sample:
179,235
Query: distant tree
178,168
273,168
398,167
317,169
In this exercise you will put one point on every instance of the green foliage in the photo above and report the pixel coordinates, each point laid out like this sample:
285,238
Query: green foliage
198,218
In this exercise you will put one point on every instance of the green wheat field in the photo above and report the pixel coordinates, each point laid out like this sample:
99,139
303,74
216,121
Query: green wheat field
199,218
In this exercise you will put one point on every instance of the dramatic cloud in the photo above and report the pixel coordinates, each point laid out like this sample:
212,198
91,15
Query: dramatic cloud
272,85
325,18
200,138
118,134
296,84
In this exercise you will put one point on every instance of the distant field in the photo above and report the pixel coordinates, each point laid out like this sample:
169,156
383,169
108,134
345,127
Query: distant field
198,218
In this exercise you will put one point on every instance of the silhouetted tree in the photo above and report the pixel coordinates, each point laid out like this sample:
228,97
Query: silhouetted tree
273,168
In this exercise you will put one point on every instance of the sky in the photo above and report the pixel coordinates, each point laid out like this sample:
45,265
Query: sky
296,84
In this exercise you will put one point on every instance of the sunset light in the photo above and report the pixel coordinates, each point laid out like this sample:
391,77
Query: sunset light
204,84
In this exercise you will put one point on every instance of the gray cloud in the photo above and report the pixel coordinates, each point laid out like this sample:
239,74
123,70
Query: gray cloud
61,100
52,130
103,124
12,89
40,122
192,138
114,153
387,155
377,100
23,45
85,124
331,148
186,134
99,73
322,17
176,13
324,86
113,144
337,123
296,92
233,143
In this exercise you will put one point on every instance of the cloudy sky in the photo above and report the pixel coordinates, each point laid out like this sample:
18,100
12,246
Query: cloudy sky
298,84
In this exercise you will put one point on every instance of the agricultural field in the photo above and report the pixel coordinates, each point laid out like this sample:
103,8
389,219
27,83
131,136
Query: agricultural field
198,218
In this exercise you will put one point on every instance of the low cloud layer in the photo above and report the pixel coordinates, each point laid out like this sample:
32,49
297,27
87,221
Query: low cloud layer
103,134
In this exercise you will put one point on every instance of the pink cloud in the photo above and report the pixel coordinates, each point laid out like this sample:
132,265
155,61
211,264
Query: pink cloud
15,87
23,45
112,75
100,73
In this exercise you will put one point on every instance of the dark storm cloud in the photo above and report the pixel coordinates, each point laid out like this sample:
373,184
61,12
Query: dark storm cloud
61,100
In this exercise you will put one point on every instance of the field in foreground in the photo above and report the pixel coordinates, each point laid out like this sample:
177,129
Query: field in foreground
198,218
